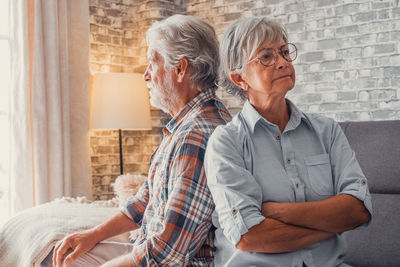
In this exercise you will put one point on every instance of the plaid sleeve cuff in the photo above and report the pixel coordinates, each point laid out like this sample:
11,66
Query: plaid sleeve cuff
134,209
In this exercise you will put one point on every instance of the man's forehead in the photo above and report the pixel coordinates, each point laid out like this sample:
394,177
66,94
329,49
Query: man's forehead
152,54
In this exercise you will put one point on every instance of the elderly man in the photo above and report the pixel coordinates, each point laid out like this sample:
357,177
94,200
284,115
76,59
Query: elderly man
172,210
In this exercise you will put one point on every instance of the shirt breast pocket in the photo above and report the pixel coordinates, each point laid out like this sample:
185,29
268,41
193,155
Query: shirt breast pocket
320,174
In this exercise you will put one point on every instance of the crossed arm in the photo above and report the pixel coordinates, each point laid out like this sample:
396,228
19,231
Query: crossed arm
293,226
299,225
335,215
287,226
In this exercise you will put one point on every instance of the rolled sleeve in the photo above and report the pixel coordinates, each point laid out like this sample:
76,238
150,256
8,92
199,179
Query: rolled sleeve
349,178
237,195
136,205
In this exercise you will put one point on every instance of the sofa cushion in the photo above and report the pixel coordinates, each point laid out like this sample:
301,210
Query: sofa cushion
377,148
379,243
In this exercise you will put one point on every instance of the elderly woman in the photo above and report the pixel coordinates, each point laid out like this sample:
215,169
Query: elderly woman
285,184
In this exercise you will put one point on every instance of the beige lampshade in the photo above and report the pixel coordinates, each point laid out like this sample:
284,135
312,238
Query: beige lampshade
120,101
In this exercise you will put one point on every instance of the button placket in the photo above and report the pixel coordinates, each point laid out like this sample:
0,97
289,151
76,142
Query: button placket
298,188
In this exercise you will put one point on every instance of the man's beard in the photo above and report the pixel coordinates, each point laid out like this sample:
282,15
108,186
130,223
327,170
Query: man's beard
163,97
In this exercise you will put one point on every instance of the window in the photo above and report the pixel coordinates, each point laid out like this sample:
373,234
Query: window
4,108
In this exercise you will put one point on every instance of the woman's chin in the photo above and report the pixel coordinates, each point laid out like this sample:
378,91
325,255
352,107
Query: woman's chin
285,88
285,82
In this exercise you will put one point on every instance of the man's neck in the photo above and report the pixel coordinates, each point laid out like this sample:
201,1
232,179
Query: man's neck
186,93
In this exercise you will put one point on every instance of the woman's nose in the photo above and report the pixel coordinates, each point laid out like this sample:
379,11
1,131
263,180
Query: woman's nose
281,62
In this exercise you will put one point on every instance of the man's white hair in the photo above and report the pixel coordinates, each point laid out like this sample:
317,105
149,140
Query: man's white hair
239,43
182,36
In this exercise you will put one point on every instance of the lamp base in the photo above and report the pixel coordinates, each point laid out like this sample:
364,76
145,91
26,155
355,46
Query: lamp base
121,162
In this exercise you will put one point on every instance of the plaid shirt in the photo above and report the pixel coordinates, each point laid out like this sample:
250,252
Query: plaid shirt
174,205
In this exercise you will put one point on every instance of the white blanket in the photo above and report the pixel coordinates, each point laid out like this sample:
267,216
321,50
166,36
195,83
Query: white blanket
27,238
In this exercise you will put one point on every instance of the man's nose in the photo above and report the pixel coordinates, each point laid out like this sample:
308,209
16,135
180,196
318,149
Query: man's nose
146,75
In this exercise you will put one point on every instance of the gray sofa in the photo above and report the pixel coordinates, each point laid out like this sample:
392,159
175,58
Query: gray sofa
377,147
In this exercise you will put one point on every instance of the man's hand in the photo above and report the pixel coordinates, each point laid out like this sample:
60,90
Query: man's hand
79,243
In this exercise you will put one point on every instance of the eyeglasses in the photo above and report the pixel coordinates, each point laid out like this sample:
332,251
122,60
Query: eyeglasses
268,56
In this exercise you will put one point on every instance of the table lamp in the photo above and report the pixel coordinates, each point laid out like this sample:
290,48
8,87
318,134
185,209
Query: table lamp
120,101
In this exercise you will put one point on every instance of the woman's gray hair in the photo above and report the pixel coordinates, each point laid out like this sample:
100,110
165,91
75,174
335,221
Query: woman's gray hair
238,45
182,36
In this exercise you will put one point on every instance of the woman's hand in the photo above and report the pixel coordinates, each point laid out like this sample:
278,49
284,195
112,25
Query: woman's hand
77,243
271,209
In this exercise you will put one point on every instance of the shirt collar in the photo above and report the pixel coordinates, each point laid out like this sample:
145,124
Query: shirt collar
189,108
252,116
296,116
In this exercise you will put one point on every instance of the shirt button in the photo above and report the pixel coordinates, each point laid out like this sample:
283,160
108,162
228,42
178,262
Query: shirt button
363,182
297,185
234,211
278,137
288,160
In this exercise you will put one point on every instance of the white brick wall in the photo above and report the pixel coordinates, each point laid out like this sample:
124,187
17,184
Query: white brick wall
349,52
350,56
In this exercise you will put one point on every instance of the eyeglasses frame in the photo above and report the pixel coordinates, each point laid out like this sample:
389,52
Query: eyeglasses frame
276,52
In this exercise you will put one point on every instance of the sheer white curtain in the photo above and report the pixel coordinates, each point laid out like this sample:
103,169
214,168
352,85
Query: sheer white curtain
49,107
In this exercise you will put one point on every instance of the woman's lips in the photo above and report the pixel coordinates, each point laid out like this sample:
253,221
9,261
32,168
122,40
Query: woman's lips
282,77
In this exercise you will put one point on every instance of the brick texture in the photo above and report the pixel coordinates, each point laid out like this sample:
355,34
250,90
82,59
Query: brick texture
348,66
349,55
117,44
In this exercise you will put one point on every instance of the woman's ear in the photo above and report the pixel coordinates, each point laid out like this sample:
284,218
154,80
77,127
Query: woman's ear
238,80
181,69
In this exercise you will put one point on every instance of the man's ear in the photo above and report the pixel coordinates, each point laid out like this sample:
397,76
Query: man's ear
238,80
182,69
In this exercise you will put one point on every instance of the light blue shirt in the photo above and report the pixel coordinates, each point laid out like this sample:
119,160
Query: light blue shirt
249,161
